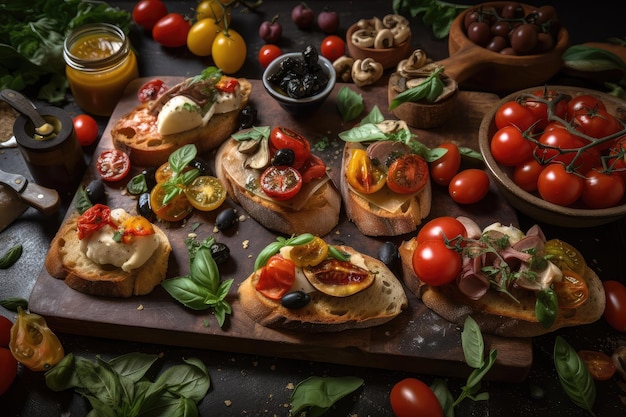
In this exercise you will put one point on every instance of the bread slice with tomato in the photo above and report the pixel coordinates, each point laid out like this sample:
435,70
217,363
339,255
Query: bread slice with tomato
385,186
202,110
289,197
547,284
109,253
301,287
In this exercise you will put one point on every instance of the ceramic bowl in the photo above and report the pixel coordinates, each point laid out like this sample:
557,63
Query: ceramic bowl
299,105
530,203
478,68
387,57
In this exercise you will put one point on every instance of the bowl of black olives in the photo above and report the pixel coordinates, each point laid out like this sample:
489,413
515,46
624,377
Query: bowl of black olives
300,81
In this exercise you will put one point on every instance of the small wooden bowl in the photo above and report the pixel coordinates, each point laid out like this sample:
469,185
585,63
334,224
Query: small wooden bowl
388,57
478,68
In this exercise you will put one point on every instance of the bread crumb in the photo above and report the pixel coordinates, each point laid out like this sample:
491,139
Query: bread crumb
140,307
215,229
228,403
242,218
245,244
290,386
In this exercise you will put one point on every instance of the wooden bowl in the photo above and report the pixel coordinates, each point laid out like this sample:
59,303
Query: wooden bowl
530,203
478,68
387,57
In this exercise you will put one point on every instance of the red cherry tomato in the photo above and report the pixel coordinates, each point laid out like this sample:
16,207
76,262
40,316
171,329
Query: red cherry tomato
407,174
313,168
268,53
600,365
618,154
171,30
584,102
5,331
598,124
558,186
509,146
526,175
151,90
469,186
443,169
602,190
333,47
438,227
540,109
8,365
572,291
281,182
86,129
285,138
435,263
615,308
147,12
559,146
113,165
277,277
513,113
411,397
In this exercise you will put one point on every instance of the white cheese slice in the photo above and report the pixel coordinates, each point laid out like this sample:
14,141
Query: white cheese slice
178,115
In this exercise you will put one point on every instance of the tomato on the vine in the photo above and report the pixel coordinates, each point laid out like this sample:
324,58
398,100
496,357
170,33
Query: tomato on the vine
584,102
281,182
285,138
512,113
443,169
540,109
333,47
558,186
407,174
526,174
147,12
201,36
151,90
411,397
615,308
229,51
171,30
509,146
213,9
559,145
268,53
113,165
602,189
598,124
439,227
86,129
435,263
599,364
469,186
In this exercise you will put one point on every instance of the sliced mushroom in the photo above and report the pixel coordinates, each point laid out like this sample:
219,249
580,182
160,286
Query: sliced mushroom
383,39
364,38
261,158
412,66
366,71
393,20
248,146
392,126
343,68
378,24
400,34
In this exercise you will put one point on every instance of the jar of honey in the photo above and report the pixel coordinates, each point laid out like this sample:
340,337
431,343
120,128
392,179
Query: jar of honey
99,64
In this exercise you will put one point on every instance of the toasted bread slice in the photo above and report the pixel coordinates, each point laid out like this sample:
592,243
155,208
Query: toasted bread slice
136,133
66,261
373,220
381,302
496,313
318,214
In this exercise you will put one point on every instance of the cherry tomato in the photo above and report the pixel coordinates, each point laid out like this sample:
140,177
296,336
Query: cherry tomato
86,129
439,227
615,308
8,365
513,113
171,30
584,102
201,36
540,109
600,365
147,12
618,154
509,146
435,263
151,90
281,182
313,168
268,53
206,193
526,175
5,331
411,397
443,169
469,186
572,290
333,47
598,124
285,138
309,254
113,165
559,146
407,174
214,10
94,219
558,186
175,210
601,189
276,277
363,175
229,51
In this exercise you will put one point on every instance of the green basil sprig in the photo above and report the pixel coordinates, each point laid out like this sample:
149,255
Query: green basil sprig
436,13
546,307
11,256
429,90
349,103
178,160
317,394
254,133
574,375
137,185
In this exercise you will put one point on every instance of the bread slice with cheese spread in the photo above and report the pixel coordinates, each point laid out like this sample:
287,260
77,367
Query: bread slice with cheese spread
139,132
65,260
379,303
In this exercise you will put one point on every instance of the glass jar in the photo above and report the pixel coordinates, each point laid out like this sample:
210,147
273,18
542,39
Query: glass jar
99,64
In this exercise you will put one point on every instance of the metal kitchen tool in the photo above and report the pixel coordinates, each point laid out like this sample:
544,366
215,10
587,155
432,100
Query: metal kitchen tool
27,108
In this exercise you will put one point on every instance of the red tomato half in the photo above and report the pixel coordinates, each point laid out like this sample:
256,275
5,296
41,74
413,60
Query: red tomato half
281,182
615,309
171,30
469,186
151,90
285,138
113,165
435,264
407,174
86,129
333,47
600,365
313,168
276,277
411,398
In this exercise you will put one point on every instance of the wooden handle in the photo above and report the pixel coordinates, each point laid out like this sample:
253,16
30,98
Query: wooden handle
46,200
464,63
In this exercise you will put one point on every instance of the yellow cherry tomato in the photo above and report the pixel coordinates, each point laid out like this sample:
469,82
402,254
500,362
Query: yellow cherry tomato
206,193
214,9
175,210
363,175
33,343
229,51
201,36
309,254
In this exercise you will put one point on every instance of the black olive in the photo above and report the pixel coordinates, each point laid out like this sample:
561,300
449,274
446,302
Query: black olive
220,252
296,299
148,174
225,219
284,156
310,55
247,117
201,165
95,191
144,208
296,88
388,254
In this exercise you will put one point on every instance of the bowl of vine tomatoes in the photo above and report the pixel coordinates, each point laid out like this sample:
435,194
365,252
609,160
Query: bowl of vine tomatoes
558,154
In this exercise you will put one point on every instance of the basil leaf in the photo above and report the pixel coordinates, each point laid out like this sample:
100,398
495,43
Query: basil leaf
428,90
254,133
337,254
592,59
11,256
133,365
374,116
469,152
546,307
137,185
363,133
13,303
349,103
443,394
574,375
83,203
187,292
473,344
274,247
317,394
438,14
181,157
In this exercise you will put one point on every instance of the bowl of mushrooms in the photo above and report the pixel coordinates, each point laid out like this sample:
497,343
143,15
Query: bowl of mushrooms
386,41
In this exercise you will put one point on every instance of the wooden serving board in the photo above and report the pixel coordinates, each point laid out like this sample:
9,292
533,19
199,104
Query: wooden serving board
417,340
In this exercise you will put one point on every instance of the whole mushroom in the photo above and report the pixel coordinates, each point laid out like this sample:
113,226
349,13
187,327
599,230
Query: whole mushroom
366,71
343,68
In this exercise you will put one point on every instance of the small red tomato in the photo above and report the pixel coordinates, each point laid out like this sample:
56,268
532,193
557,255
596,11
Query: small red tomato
333,47
8,366
5,331
439,227
411,397
601,189
147,12
615,309
513,113
445,168
86,129
558,186
526,175
435,263
171,30
268,53
600,365
509,146
469,186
